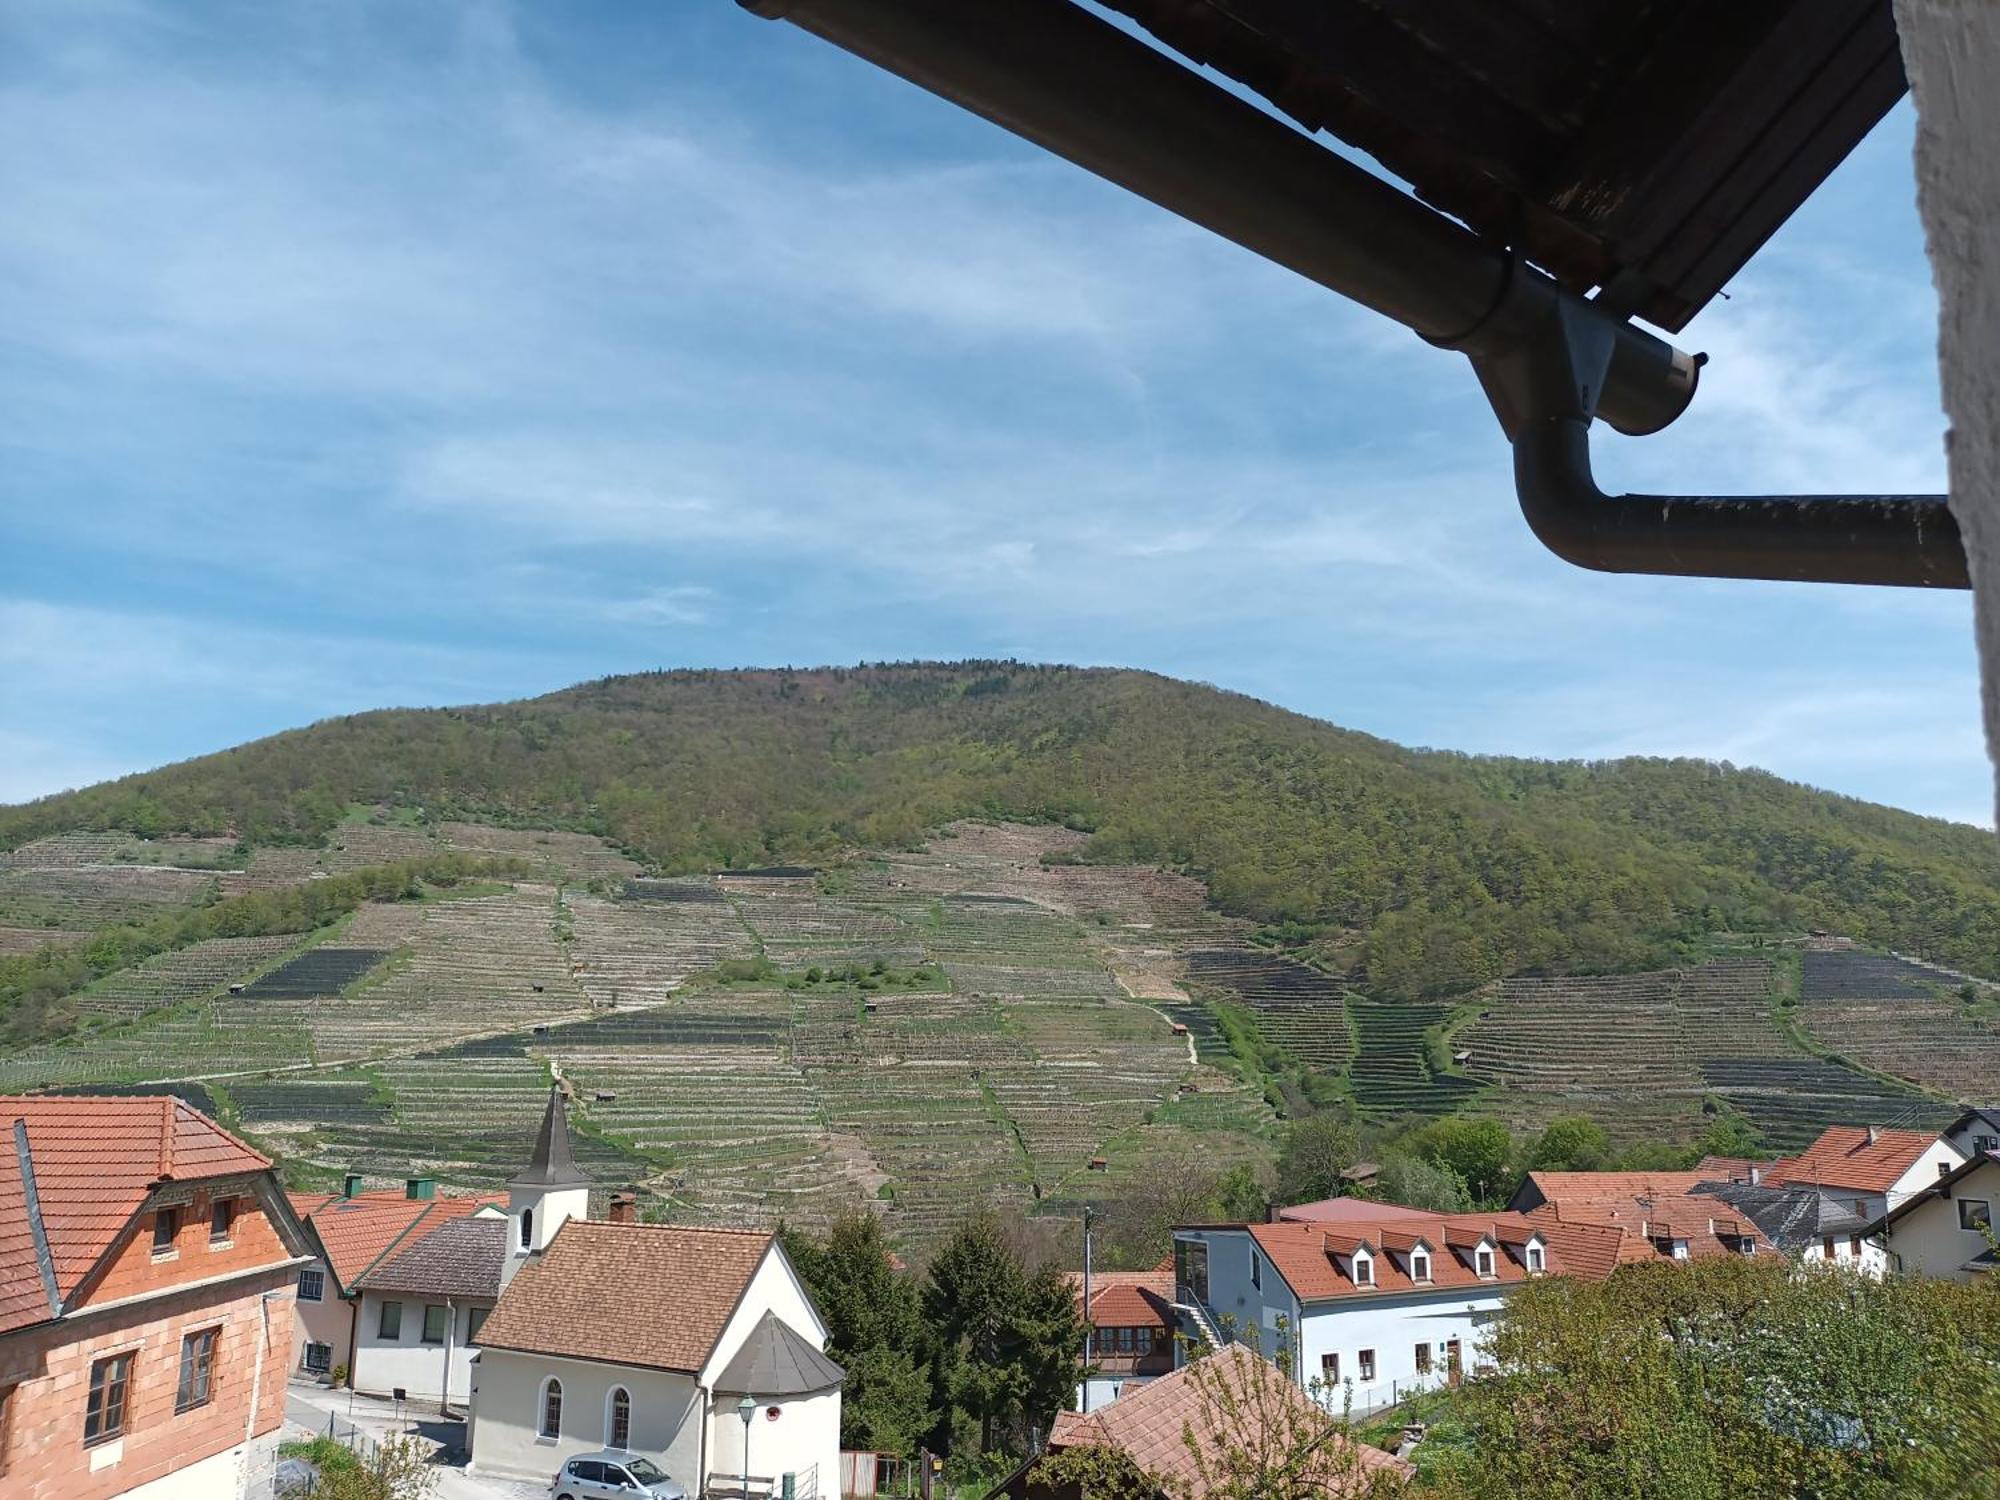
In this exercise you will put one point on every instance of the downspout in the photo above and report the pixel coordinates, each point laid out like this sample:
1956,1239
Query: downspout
450,1327
1055,74
353,1339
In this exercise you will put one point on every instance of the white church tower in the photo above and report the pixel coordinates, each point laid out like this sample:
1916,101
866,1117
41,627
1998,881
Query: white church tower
549,1191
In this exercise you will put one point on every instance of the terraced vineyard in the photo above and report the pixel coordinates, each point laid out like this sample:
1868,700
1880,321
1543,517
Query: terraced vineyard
1391,1074
1897,1016
1001,1032
1297,1008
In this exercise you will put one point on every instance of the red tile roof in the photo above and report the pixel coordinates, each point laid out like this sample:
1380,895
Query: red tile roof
95,1160
1318,1263
1350,1211
1843,1156
656,1295
1613,1187
356,1233
1129,1299
1154,1423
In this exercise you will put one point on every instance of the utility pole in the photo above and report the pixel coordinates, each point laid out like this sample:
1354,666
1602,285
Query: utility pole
1089,1324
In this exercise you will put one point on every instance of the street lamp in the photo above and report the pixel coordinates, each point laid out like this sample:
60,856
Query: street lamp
746,1409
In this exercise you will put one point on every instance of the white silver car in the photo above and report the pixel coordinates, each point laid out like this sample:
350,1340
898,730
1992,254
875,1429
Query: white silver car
609,1473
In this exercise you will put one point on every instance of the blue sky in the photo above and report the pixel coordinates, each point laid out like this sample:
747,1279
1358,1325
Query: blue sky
359,355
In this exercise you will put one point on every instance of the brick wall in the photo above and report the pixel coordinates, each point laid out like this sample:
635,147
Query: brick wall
135,1268
44,1452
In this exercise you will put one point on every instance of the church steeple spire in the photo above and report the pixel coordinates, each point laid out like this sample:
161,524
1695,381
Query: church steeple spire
552,1165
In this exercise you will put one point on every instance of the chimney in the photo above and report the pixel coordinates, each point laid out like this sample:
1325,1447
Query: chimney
1273,1213
420,1187
622,1208
1874,1134
350,1185
1756,1175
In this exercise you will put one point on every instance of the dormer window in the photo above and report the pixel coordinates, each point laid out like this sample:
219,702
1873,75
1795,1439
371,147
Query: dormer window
1534,1258
1482,1260
1364,1270
1420,1266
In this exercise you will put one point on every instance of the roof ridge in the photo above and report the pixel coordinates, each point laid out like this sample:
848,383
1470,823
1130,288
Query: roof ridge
167,1136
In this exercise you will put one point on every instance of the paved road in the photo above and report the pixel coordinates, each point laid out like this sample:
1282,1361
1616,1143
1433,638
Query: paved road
312,1408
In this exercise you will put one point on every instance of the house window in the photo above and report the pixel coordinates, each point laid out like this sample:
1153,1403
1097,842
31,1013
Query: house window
312,1285
1861,1209
166,1224
318,1358
1854,1246
618,1426
1981,1144
104,1415
434,1323
1483,1261
527,1227
1145,1341
1193,1267
1424,1358
1365,1364
1329,1368
1975,1214
391,1326
1126,1340
551,1416
1420,1266
197,1370
475,1319
1826,1247
222,1221
1534,1257
1364,1271
1257,1270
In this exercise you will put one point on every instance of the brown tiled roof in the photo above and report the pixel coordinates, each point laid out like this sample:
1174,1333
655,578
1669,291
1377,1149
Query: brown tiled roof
356,1233
459,1258
1351,1211
1153,1423
1614,1187
657,1295
1844,1157
95,1159
1597,1234
1129,1299
1317,1263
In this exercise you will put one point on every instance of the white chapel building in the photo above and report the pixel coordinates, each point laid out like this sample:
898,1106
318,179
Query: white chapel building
652,1339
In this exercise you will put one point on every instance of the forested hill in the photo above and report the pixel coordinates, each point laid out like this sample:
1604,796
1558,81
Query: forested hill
1420,871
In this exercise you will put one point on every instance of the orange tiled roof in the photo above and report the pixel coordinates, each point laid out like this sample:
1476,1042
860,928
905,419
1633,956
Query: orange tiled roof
657,1295
1351,1211
1318,1263
356,1233
1129,1299
1153,1423
1843,1156
95,1159
1615,1187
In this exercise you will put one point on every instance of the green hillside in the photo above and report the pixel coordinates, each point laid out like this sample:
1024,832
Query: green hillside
1418,872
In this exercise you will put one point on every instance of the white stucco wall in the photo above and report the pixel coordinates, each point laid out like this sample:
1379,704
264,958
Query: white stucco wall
805,1437
1927,1240
1967,1139
666,1416
775,1287
327,1321
1951,50
1873,1259
802,1440
1941,1157
1391,1324
381,1365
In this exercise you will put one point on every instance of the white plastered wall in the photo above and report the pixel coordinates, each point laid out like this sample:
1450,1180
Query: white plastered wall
1951,50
